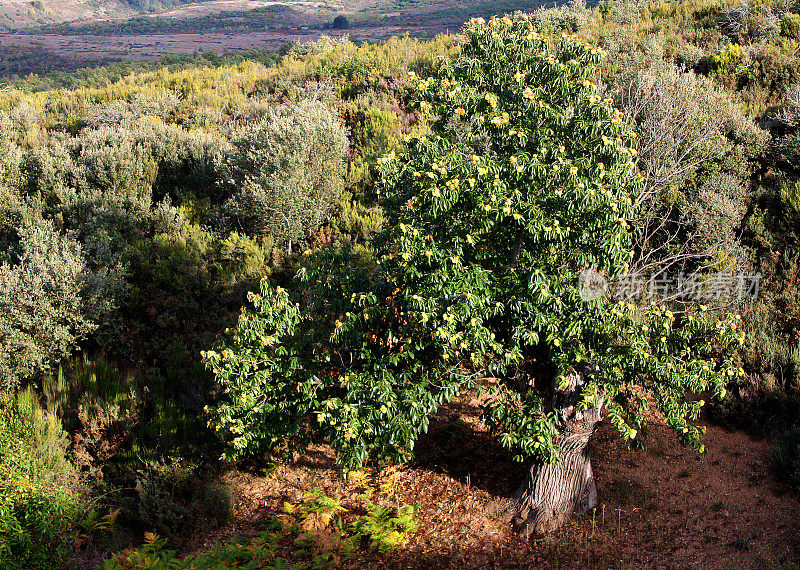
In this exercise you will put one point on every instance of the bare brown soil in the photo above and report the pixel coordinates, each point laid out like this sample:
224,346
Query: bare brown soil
664,507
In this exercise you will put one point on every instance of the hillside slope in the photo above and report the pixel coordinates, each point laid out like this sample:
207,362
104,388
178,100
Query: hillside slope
15,14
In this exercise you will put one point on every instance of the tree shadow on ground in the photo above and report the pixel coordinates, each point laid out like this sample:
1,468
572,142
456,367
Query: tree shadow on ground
459,445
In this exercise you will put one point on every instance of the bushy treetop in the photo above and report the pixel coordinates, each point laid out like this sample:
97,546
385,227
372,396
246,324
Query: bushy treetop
524,181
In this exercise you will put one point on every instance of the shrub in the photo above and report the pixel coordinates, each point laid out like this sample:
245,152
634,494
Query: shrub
684,124
10,155
177,262
47,304
786,459
340,23
242,257
690,133
172,495
164,493
376,129
570,17
356,220
690,56
790,198
790,25
98,404
286,172
730,63
38,504
716,212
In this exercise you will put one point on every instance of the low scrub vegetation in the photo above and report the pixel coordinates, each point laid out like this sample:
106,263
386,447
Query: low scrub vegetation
243,257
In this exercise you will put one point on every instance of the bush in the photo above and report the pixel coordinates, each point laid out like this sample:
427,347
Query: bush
571,17
786,459
356,220
164,492
242,257
286,172
38,504
98,404
171,496
685,124
790,198
47,303
340,23
716,212
690,56
10,155
690,133
790,25
376,129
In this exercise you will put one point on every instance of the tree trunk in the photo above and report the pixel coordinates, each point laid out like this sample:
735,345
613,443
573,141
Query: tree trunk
552,493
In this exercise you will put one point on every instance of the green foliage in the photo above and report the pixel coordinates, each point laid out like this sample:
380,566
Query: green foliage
243,257
171,494
270,17
718,211
47,303
340,23
790,25
258,552
11,158
790,196
786,459
383,528
286,172
321,539
179,261
571,17
356,220
129,175
38,504
568,151
377,127
525,180
686,126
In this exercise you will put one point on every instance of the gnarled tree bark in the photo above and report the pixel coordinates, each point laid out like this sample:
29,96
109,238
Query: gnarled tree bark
552,493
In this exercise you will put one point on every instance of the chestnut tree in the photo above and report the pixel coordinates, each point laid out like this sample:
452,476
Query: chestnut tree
524,182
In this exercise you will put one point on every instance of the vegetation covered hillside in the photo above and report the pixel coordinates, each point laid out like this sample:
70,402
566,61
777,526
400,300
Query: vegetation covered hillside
270,277
15,14
21,14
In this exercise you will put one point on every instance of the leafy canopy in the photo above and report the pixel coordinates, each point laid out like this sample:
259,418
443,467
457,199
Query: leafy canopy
524,180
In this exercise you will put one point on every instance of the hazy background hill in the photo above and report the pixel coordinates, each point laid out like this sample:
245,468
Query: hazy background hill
41,36
15,14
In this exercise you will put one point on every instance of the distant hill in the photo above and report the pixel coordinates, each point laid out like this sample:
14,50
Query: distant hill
17,14
40,36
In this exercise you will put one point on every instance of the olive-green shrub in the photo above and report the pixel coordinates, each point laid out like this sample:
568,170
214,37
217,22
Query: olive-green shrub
286,172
